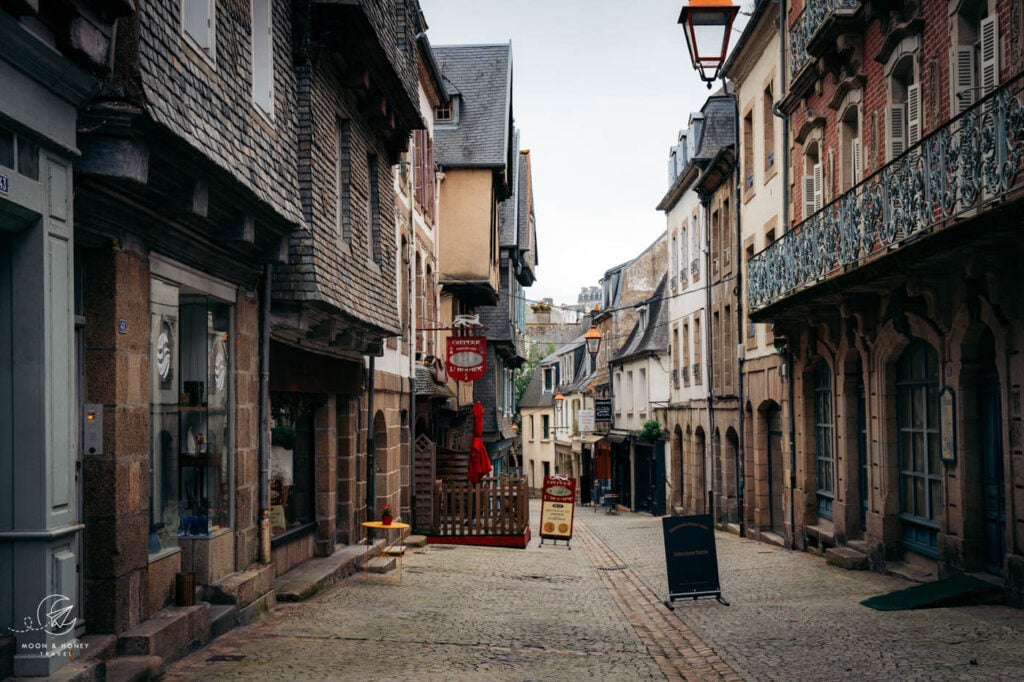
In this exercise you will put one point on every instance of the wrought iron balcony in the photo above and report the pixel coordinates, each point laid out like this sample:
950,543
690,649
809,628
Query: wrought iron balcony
974,160
813,28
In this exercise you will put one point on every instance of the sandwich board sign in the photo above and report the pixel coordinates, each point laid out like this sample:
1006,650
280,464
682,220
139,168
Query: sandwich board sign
557,503
691,558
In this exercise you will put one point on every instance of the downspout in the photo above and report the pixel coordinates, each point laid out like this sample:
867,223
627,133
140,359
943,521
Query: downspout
785,228
264,417
709,440
412,344
371,446
739,463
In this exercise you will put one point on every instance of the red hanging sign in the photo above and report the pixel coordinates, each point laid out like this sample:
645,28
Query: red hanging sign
467,357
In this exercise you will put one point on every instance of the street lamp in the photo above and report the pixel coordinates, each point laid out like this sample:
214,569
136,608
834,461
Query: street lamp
593,340
707,25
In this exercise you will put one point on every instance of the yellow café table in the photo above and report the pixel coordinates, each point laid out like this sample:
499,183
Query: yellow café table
392,548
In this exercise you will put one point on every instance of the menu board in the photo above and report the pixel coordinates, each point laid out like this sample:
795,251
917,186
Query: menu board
558,501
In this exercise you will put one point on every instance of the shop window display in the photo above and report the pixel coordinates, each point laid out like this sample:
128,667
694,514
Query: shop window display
190,363
291,461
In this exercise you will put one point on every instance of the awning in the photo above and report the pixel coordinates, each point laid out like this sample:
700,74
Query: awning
589,440
618,437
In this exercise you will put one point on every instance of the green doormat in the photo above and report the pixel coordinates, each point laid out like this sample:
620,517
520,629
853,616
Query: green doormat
961,590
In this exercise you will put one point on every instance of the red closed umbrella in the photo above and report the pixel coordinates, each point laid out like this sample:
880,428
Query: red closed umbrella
479,461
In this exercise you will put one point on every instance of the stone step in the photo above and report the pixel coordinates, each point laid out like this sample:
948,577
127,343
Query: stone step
416,541
223,617
846,557
134,668
312,576
172,632
381,564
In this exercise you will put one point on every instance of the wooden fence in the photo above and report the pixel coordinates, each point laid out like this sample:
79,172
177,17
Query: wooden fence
494,506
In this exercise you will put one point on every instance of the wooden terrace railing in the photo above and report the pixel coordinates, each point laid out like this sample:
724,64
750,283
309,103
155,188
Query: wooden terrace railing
494,506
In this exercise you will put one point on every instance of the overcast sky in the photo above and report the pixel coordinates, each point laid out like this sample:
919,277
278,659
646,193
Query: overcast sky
600,89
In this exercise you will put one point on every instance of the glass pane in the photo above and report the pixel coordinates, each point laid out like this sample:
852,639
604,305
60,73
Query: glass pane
919,453
907,503
28,158
920,507
934,467
918,408
933,407
164,438
6,148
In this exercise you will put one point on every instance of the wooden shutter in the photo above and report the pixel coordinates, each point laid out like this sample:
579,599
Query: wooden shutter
989,55
896,138
819,186
962,79
855,160
808,204
913,114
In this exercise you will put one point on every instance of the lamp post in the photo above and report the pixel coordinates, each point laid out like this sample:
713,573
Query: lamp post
707,25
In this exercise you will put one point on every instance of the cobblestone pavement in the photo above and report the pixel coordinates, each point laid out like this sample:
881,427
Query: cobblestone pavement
550,613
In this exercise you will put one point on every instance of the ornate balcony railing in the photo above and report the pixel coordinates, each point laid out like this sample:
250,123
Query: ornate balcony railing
975,159
811,19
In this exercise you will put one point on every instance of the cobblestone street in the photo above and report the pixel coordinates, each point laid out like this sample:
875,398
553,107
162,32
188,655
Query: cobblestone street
595,611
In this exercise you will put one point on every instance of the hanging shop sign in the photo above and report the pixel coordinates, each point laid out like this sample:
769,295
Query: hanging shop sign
691,558
603,410
467,357
558,501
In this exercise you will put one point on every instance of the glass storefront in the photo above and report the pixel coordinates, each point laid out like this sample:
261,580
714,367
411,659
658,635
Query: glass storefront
291,461
190,365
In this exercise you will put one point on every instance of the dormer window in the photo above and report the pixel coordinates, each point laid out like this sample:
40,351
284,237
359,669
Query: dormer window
447,112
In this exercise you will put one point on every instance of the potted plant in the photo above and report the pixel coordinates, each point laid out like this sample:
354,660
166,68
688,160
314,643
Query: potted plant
386,515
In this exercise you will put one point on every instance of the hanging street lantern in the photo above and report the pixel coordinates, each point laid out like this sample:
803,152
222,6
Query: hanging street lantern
707,25
593,340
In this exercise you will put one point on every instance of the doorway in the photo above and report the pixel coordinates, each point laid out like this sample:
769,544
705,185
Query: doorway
776,481
993,482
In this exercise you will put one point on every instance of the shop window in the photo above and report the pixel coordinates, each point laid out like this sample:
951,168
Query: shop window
190,405
292,462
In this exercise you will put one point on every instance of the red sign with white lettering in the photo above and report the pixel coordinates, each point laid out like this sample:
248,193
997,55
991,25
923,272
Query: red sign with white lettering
467,357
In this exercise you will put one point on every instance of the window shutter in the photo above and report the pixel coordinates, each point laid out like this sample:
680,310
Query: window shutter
913,114
855,159
962,75
197,21
808,196
897,131
989,55
819,187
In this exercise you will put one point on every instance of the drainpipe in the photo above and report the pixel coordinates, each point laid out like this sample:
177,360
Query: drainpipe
412,343
371,458
785,228
264,417
737,180
709,439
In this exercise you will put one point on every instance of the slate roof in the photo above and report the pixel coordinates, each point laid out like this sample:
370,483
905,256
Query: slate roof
483,76
719,125
427,385
508,210
534,395
654,339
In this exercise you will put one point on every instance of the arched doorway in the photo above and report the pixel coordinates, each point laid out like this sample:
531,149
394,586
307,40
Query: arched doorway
698,455
990,449
920,474
678,476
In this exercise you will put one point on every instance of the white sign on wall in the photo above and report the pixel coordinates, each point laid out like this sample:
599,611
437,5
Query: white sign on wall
585,421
